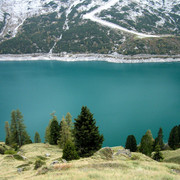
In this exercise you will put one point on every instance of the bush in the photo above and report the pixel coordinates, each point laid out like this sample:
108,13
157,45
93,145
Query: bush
2,150
18,157
69,151
42,158
10,151
38,163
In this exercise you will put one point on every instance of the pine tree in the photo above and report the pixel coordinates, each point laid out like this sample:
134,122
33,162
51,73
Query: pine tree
47,132
14,139
65,134
69,151
87,137
54,131
158,156
68,119
37,138
159,139
7,129
173,140
18,132
146,146
131,143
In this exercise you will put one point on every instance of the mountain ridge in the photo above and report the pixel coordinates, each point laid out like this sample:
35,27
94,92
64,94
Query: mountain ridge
125,27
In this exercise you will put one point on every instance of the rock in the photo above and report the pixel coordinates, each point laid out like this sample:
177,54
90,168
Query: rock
43,170
24,158
54,162
47,155
105,153
124,152
64,161
19,170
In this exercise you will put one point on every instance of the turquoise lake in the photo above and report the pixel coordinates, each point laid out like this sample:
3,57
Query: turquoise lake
125,98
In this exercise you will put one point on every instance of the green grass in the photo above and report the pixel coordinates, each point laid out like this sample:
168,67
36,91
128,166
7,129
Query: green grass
172,156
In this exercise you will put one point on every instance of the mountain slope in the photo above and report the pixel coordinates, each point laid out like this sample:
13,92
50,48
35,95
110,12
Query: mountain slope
89,26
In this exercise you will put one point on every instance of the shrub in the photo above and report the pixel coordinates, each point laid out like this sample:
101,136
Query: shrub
42,158
69,151
10,151
2,150
38,163
18,157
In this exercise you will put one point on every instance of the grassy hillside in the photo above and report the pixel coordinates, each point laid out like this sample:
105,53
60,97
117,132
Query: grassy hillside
99,166
172,156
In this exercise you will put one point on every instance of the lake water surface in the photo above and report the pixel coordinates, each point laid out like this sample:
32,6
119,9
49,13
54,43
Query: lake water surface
125,98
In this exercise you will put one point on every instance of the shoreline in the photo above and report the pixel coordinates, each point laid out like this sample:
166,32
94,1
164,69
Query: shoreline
113,58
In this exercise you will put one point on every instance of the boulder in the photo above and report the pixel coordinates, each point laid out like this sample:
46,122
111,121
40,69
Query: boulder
54,162
123,152
105,153
47,155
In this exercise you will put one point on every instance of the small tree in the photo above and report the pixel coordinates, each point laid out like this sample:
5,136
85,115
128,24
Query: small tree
65,134
69,151
87,137
146,145
173,140
159,139
52,130
37,138
8,135
131,143
158,156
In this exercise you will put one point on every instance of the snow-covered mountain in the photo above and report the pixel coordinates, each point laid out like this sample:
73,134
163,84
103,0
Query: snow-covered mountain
103,26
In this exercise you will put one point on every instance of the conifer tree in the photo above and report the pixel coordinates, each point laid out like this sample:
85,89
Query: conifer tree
158,156
65,134
69,151
68,119
54,130
37,138
146,146
173,140
87,137
159,139
18,132
47,132
13,129
7,129
131,143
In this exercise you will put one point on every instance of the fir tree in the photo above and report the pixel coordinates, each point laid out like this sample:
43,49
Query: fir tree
87,137
37,138
159,139
47,132
7,129
18,132
69,151
146,146
173,140
68,119
14,139
54,131
131,143
158,156
65,134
